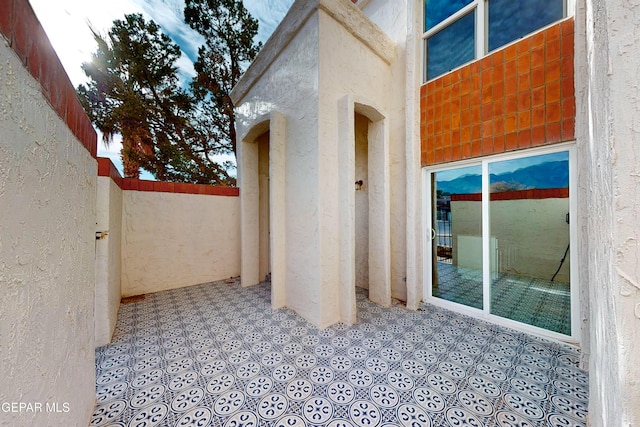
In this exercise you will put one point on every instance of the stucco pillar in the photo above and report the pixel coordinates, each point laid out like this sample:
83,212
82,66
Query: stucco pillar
608,131
277,193
346,159
379,214
249,212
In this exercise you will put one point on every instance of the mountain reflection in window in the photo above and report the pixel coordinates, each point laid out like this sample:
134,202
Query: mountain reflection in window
526,173
437,11
510,20
451,47
529,173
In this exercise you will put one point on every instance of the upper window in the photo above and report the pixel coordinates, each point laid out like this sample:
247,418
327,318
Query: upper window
459,31
436,11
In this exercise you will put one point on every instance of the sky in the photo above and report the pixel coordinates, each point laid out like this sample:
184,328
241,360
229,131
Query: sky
67,22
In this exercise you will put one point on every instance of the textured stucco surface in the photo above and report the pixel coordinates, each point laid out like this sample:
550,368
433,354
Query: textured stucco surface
175,240
108,259
361,225
47,251
394,22
608,130
296,67
329,51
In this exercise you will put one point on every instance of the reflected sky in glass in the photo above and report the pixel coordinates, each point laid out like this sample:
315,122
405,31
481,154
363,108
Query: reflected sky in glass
437,11
509,20
451,47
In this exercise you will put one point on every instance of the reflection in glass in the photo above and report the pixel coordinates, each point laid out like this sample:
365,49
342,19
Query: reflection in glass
510,20
529,227
436,11
451,47
457,236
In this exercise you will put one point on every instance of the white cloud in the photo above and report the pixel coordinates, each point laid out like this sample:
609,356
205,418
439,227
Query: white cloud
169,15
269,14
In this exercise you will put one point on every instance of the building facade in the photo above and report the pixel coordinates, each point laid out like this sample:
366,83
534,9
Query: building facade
489,173
463,153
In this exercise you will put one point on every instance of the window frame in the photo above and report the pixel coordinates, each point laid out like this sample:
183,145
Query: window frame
481,10
485,313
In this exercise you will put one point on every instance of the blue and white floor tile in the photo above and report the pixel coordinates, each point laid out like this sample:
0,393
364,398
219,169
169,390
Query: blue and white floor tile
217,355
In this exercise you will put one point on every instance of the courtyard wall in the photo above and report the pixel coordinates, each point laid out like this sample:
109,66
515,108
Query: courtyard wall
47,224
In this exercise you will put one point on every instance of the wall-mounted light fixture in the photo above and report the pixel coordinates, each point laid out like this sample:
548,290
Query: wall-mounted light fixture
359,185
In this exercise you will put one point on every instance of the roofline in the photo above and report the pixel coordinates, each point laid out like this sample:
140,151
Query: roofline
345,12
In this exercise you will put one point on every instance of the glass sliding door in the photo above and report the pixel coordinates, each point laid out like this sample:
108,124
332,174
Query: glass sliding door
456,236
500,234
529,223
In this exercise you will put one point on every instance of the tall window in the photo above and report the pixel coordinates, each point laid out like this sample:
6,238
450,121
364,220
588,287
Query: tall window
459,31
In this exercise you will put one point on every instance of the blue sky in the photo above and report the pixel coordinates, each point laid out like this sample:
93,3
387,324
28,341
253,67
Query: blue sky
66,22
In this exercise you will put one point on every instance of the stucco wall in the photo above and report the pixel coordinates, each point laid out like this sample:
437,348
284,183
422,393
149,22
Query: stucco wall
362,202
263,209
108,259
393,21
289,86
355,59
174,240
323,51
47,250
608,140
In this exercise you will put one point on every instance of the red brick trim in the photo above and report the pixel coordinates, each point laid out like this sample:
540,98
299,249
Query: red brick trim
21,28
543,193
107,168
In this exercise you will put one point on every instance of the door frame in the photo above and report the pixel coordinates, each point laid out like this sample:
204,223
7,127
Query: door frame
485,313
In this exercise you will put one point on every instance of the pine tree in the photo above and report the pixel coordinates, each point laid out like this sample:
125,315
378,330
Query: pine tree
134,91
229,32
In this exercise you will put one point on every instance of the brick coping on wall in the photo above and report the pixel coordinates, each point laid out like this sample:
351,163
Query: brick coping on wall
106,168
537,193
27,38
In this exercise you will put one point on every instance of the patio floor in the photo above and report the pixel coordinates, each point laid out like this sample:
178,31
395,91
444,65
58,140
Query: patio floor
536,302
217,355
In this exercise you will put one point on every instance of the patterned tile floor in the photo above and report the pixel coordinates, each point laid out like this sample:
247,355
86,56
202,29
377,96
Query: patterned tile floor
537,302
217,355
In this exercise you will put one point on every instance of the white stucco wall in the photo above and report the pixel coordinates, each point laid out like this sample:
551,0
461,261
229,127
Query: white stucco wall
392,19
264,221
607,45
313,77
172,240
108,259
362,202
47,251
342,51
289,86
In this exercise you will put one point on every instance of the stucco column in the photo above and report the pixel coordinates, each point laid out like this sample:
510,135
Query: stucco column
249,212
277,194
346,158
379,214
